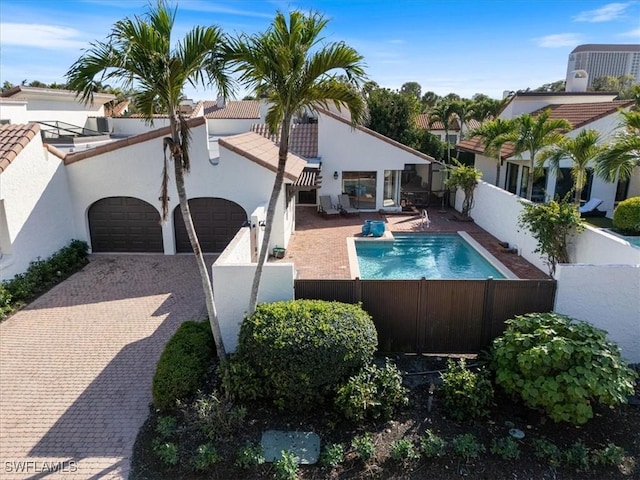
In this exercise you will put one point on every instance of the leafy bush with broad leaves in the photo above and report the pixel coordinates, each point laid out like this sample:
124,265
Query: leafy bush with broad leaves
466,395
297,352
183,365
561,366
374,393
626,216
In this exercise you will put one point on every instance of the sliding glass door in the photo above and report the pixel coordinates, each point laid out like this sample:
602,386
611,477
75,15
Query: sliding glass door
361,188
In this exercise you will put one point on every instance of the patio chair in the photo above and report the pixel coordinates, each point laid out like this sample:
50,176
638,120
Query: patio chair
326,207
590,209
344,205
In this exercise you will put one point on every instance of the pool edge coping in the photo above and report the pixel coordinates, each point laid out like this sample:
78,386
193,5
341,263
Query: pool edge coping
354,267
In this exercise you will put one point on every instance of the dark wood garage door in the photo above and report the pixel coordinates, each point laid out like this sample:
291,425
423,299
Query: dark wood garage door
216,221
125,224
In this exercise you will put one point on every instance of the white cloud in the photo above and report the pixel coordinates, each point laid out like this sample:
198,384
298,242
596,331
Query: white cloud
633,33
206,6
40,36
607,13
558,40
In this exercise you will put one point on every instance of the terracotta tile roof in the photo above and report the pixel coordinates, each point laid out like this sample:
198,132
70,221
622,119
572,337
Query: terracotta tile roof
303,138
264,152
125,142
423,122
578,114
241,109
377,135
13,139
117,110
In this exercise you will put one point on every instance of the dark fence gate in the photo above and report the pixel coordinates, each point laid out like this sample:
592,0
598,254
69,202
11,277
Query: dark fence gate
436,316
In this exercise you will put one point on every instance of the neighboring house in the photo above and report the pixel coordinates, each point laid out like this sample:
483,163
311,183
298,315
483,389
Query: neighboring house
584,111
437,128
230,117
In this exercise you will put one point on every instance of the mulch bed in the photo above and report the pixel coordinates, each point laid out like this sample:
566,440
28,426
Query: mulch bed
620,426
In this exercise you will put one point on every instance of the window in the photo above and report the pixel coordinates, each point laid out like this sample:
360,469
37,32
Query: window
361,188
511,180
564,185
622,189
452,139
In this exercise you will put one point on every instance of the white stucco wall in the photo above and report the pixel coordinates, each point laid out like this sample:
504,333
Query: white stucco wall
135,171
605,296
37,209
128,126
232,280
230,126
68,111
497,211
595,246
13,110
342,148
530,103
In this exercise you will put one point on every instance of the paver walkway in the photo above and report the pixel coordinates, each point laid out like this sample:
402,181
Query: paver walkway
76,365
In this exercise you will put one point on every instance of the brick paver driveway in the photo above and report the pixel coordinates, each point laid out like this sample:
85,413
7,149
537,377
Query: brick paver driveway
76,365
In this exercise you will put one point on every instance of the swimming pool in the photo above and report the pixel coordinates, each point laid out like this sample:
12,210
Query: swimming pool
432,256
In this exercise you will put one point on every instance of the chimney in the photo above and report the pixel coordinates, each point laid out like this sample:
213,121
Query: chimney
577,81
220,101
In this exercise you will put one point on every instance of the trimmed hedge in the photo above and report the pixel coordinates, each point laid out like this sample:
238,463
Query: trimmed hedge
183,365
41,276
298,352
626,216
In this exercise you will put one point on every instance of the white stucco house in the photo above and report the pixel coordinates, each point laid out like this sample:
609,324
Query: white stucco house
104,189
584,110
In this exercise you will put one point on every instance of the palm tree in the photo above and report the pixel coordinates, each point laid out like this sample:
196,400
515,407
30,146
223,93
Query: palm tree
623,155
533,134
287,66
138,53
581,150
464,110
444,112
494,135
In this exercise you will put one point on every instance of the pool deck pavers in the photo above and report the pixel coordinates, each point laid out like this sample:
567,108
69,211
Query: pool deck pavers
318,248
76,365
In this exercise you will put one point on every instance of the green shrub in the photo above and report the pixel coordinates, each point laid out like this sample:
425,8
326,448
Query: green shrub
286,468
249,456
166,427
206,456
626,216
577,455
467,446
167,452
547,450
609,456
433,445
332,455
561,366
373,393
183,364
465,395
506,448
403,450
364,447
41,276
298,352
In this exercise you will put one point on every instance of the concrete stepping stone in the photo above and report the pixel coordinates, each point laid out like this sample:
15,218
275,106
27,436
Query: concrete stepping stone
304,445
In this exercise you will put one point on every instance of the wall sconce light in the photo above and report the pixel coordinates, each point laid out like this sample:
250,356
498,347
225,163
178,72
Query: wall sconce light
335,175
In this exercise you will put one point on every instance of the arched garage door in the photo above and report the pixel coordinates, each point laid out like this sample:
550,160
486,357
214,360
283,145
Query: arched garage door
216,221
125,224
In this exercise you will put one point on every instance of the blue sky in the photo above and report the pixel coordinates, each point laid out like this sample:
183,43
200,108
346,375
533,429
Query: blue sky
461,46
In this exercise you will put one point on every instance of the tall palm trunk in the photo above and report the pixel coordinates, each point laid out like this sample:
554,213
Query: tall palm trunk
498,167
530,176
271,210
195,244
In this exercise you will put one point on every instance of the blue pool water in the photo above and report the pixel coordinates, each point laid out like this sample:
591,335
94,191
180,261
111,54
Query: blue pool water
432,256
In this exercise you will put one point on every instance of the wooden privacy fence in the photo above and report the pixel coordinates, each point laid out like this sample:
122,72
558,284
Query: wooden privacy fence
436,316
